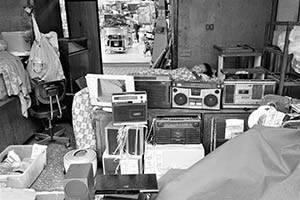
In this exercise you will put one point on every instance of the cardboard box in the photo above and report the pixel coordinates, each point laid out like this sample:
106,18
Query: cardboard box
159,159
31,173
126,164
134,144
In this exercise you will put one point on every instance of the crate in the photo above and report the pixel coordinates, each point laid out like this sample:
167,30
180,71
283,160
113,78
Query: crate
27,178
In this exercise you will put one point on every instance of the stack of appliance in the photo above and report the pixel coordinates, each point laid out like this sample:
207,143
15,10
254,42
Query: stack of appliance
177,138
125,134
238,88
163,92
175,143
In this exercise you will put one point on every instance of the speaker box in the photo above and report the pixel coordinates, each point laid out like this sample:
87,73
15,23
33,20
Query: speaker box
135,139
158,90
79,182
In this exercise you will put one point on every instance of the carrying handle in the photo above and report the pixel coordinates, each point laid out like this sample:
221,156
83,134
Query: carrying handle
79,152
36,29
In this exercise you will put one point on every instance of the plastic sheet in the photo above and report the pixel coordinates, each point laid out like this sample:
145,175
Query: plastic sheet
262,163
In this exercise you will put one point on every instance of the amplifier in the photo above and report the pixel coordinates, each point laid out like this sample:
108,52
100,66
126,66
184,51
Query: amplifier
196,95
246,93
129,108
158,90
177,130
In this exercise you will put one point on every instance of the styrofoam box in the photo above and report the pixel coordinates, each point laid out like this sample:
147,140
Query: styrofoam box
16,41
27,178
159,159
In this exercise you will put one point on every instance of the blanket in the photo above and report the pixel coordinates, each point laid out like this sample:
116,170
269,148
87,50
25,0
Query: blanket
16,79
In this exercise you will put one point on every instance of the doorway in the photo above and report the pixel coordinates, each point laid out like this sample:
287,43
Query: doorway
124,25
126,32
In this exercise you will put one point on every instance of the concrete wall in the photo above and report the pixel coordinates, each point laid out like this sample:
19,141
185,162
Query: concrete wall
234,21
13,17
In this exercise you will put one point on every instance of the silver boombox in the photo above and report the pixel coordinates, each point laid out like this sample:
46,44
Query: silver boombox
196,95
246,93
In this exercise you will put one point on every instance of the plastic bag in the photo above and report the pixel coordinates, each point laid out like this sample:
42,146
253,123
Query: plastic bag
294,46
44,63
266,116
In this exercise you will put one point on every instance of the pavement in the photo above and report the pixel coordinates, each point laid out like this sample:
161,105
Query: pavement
131,61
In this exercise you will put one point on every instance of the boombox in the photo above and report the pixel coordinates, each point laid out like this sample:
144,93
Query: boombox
246,93
158,90
129,108
177,130
196,95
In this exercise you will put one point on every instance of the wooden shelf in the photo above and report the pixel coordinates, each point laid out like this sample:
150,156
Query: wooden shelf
74,56
278,61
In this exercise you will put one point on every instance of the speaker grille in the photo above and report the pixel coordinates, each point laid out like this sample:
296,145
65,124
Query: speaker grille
76,189
229,93
193,136
210,100
269,89
180,99
162,136
158,93
257,91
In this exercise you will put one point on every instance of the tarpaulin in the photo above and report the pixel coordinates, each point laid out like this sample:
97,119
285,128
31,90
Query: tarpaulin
262,163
